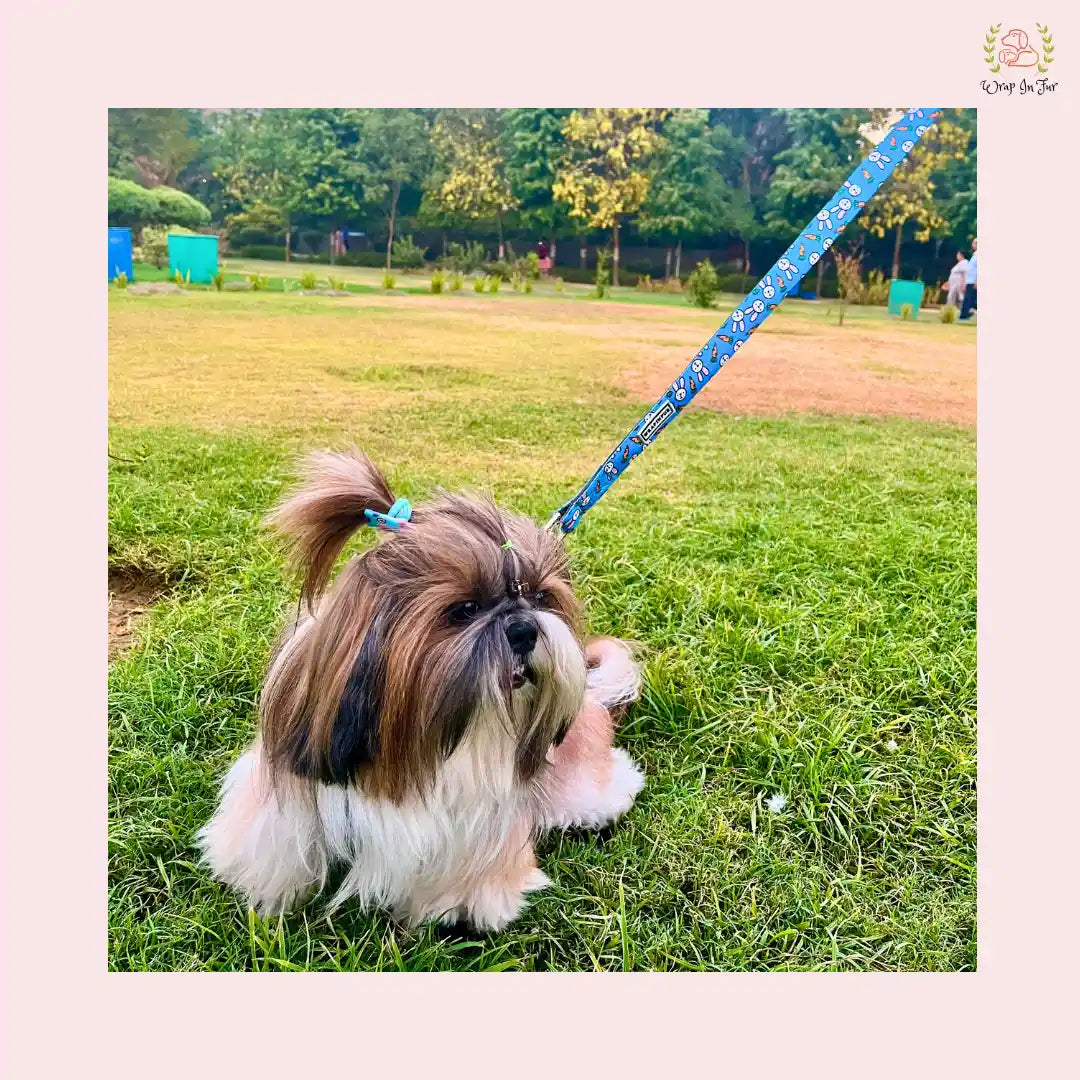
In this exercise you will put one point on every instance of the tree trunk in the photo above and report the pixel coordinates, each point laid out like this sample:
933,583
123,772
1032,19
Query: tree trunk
288,243
820,274
746,257
583,252
896,251
331,249
552,252
667,264
395,191
615,253
502,249
678,259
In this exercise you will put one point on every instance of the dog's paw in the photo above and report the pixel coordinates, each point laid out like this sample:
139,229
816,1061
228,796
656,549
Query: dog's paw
626,781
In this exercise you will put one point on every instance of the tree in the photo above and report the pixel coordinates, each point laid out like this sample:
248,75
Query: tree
688,194
152,146
470,180
956,188
394,151
827,147
534,145
300,163
604,172
910,193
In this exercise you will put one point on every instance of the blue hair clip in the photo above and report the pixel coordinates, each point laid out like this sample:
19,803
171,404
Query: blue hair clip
393,519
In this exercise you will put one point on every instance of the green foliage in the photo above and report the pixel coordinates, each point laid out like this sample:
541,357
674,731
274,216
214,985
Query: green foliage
464,258
121,280
218,279
438,280
560,285
602,278
135,207
260,225
948,314
907,312
258,282
308,280
532,266
703,284
493,283
407,255
456,281
388,280
336,283
533,142
478,283
151,146
182,280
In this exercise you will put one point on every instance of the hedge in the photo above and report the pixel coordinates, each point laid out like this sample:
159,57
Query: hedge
133,205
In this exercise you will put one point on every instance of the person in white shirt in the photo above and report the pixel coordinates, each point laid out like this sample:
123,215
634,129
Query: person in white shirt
971,278
957,281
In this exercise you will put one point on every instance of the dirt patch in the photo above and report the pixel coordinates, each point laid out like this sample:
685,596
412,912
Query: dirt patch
860,372
155,288
131,594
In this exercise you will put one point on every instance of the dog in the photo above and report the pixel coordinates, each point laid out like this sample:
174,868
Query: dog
428,717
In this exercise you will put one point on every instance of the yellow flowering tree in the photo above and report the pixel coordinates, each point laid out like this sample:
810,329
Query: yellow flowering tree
909,193
604,172
470,182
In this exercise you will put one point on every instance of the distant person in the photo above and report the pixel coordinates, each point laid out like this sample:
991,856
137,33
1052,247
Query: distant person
957,281
971,278
544,251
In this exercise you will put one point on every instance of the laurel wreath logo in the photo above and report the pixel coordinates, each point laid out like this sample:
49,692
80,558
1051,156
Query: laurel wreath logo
990,48
1048,47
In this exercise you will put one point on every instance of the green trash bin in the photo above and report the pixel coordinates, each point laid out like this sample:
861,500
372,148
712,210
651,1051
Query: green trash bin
192,254
905,292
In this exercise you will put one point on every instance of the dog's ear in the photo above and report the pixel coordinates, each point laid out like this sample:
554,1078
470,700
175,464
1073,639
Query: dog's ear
354,739
325,510
332,751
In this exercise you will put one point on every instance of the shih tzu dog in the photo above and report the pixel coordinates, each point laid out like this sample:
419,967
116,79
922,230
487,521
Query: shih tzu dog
431,715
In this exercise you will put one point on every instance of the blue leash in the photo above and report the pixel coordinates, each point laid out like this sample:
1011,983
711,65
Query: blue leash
782,280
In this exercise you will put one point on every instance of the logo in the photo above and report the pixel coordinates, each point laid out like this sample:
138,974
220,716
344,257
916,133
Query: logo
656,421
1016,49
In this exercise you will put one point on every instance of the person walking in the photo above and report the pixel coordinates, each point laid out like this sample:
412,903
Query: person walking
957,282
971,278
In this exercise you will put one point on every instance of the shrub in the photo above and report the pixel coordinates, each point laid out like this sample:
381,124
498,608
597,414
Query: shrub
500,268
527,285
218,280
153,245
907,312
849,278
644,283
308,280
407,255
532,266
560,285
261,224
183,280
179,208
603,274
388,280
948,314
438,279
703,284
337,284
456,281
121,280
493,283
673,285
479,283
130,204
270,252
464,258
258,281
877,289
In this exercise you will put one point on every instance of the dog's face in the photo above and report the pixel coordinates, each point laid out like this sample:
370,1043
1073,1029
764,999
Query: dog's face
460,627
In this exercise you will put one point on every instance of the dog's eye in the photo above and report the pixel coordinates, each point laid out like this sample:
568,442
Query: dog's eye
463,612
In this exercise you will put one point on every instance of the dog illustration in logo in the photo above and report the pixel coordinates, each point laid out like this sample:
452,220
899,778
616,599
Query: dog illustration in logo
1016,52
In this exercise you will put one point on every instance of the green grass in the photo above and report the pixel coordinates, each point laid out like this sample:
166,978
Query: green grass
803,588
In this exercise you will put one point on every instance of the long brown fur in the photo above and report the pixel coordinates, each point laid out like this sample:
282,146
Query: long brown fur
399,593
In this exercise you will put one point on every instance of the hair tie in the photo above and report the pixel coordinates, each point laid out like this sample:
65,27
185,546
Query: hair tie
393,519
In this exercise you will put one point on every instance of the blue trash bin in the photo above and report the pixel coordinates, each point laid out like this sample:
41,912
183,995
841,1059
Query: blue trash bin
120,253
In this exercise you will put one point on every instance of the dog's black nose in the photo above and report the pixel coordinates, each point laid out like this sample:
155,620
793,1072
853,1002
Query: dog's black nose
521,634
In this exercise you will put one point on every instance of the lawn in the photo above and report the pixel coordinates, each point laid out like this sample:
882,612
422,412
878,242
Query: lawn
802,585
